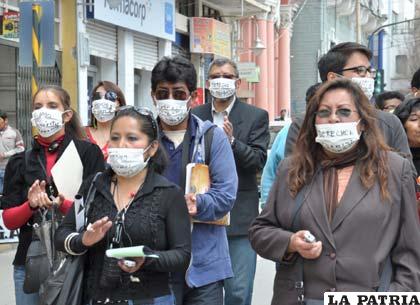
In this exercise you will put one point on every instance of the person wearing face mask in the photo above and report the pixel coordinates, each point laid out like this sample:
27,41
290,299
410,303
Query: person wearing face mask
105,99
247,129
188,139
388,100
355,197
352,60
28,174
133,206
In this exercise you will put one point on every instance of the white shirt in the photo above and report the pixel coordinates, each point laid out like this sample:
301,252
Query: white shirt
176,136
219,117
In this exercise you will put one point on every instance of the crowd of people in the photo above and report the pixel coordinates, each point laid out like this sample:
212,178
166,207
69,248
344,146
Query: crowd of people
338,189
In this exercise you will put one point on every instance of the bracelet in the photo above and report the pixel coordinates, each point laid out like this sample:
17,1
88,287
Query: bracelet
67,242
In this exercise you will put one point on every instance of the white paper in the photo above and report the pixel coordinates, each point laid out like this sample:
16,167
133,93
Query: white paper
68,172
79,212
188,170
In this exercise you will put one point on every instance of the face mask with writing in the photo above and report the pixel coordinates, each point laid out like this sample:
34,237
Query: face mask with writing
222,87
127,162
103,110
337,138
172,112
47,121
367,85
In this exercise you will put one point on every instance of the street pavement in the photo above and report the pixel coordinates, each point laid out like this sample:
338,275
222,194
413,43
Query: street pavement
262,285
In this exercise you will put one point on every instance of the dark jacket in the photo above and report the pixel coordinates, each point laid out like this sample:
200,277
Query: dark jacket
250,130
364,231
18,180
157,218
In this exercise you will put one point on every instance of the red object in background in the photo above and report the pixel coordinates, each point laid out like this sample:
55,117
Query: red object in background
199,100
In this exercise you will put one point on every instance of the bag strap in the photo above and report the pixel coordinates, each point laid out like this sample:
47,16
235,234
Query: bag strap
299,286
208,140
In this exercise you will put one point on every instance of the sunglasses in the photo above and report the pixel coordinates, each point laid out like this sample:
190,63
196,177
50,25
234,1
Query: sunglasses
342,113
143,111
109,95
177,94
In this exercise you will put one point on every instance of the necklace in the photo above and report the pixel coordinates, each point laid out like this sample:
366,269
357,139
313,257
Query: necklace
118,202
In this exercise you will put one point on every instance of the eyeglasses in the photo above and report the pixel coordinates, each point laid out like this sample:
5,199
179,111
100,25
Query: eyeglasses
342,113
229,76
144,111
109,95
177,94
362,70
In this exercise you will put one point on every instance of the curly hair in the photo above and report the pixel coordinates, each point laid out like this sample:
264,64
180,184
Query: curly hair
371,161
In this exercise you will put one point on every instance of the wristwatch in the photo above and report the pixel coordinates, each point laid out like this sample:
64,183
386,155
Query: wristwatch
232,140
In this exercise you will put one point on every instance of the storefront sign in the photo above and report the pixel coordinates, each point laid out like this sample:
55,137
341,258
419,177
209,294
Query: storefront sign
156,18
210,36
10,26
247,70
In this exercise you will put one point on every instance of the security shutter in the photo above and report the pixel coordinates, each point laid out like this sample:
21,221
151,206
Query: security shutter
146,51
102,40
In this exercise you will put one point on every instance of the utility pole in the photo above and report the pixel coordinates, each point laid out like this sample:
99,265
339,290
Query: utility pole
358,25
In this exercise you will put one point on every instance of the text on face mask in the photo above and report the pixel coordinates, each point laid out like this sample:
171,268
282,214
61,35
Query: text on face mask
335,133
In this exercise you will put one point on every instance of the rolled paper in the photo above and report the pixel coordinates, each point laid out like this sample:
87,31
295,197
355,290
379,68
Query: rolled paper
136,251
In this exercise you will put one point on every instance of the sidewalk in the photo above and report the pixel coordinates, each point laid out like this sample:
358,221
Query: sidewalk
7,289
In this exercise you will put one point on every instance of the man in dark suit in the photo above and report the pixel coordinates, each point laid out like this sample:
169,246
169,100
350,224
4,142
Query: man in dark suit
247,129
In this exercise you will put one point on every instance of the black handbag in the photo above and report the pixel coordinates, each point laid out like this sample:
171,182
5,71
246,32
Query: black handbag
41,252
65,284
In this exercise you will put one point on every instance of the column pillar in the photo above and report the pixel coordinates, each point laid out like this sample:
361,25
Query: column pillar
283,67
271,94
126,64
261,89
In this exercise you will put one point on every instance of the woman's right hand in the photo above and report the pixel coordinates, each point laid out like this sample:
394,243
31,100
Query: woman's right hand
306,250
96,231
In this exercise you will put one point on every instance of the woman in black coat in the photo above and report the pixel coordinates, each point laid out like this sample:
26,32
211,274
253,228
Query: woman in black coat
28,183
133,206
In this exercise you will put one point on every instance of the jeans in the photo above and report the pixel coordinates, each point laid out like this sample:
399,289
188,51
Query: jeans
238,290
165,300
1,180
23,298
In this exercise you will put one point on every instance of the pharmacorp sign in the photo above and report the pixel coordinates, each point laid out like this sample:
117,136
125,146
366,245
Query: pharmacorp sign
153,17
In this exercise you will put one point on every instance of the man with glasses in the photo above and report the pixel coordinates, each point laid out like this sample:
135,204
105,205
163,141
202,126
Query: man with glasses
352,60
247,129
187,139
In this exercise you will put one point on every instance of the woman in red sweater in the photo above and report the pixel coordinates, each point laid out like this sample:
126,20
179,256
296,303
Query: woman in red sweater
28,181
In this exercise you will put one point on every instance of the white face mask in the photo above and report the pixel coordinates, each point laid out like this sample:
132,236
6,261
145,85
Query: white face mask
127,162
222,87
47,121
172,112
337,138
103,110
367,85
